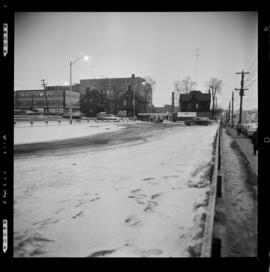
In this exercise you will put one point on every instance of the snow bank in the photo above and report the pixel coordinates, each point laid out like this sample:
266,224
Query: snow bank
54,131
130,201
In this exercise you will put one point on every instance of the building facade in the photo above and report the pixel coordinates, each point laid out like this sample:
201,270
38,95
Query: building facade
93,102
115,88
125,103
196,102
56,99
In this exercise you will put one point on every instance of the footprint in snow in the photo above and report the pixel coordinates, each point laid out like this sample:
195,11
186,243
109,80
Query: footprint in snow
59,210
94,199
150,178
150,206
171,176
156,195
136,190
132,220
79,214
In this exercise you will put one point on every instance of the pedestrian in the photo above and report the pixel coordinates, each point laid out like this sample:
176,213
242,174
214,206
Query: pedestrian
238,128
255,141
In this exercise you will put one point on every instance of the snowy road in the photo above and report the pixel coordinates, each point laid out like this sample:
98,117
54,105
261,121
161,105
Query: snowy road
141,197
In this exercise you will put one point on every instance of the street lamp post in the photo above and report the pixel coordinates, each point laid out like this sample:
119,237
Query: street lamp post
70,87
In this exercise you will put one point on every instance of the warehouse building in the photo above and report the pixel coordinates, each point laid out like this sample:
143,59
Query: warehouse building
55,99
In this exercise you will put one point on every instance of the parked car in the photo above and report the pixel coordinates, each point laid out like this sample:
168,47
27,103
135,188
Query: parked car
107,117
244,128
198,121
75,115
251,129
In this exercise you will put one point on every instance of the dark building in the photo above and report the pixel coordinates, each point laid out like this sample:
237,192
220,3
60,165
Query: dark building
115,88
125,103
196,101
93,102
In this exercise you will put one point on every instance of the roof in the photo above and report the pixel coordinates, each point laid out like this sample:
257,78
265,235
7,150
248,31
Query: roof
195,95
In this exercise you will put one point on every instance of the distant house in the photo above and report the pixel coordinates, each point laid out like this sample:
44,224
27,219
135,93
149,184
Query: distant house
93,102
125,103
196,102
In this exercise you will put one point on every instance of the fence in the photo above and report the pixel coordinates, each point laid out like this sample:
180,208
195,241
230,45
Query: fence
211,246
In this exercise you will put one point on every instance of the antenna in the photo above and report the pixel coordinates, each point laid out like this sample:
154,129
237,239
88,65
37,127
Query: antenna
197,57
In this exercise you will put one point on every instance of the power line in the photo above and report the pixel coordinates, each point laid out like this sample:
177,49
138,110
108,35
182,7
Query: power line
252,73
251,83
241,92
251,64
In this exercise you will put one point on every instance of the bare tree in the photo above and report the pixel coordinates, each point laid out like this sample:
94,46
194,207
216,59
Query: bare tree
185,85
215,86
150,81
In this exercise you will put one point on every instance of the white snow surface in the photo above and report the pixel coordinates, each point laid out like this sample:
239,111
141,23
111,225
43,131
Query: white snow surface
24,133
129,201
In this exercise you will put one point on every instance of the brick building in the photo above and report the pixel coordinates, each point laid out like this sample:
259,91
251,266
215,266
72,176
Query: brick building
115,88
196,102
125,103
93,102
57,98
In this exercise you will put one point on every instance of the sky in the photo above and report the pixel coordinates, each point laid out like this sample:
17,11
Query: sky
161,45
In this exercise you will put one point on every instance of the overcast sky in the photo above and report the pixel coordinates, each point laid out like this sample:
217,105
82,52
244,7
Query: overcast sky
160,45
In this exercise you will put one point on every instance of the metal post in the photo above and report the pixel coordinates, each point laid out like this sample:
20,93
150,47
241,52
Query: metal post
229,117
134,96
232,108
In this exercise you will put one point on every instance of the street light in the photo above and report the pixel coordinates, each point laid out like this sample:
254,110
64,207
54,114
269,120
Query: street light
70,65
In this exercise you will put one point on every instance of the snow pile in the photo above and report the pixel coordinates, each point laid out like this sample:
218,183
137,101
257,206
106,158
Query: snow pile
52,132
130,201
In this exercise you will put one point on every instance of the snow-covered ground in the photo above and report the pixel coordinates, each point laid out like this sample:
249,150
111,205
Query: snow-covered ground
39,132
144,200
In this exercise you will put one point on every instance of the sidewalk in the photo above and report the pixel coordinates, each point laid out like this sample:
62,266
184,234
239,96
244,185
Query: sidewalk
245,145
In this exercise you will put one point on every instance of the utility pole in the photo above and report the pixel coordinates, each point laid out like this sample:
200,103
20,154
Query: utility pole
241,93
173,106
232,107
44,84
197,56
172,102
229,116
